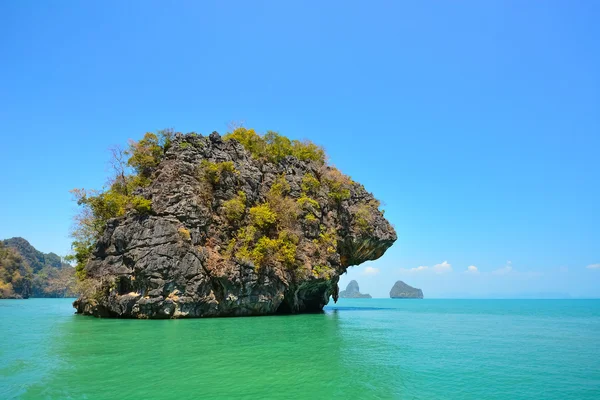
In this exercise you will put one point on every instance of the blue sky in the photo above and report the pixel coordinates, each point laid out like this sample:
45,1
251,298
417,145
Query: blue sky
476,123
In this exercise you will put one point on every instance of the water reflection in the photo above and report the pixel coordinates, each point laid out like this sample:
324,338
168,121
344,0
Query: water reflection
316,355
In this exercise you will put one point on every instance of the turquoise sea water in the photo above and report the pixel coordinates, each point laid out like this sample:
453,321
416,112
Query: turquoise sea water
356,349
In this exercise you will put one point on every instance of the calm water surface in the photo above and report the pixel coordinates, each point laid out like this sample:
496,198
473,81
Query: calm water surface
357,349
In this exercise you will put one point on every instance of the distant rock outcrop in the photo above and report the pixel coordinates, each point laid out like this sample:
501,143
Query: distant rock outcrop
35,258
27,272
403,291
353,292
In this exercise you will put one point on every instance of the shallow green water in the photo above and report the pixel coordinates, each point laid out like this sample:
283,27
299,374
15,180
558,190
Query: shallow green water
363,348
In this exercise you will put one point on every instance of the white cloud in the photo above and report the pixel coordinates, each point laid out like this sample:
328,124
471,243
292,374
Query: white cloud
371,271
442,268
471,269
420,268
593,266
507,269
417,269
438,268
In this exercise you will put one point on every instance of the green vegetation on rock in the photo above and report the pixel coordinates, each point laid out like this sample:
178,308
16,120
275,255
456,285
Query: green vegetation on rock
132,170
214,170
262,216
274,147
310,184
253,223
234,208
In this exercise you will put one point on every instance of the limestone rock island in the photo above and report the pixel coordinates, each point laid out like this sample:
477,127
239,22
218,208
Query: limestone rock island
207,226
353,292
403,291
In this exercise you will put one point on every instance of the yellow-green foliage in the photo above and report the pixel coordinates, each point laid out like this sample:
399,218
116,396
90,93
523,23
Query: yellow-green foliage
308,151
282,205
269,250
98,207
127,184
310,206
246,235
339,194
288,236
339,185
280,187
227,166
141,205
82,250
109,204
213,171
106,205
328,240
248,138
264,250
306,202
310,184
280,211
235,207
185,234
322,271
262,216
275,147
243,253
310,217
287,211
230,248
286,252
145,154
364,216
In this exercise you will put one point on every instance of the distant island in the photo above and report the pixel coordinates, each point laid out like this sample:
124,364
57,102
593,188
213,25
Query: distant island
27,272
401,290
234,225
353,292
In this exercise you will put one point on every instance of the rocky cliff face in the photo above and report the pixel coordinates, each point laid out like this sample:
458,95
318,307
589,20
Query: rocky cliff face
231,234
353,292
401,290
